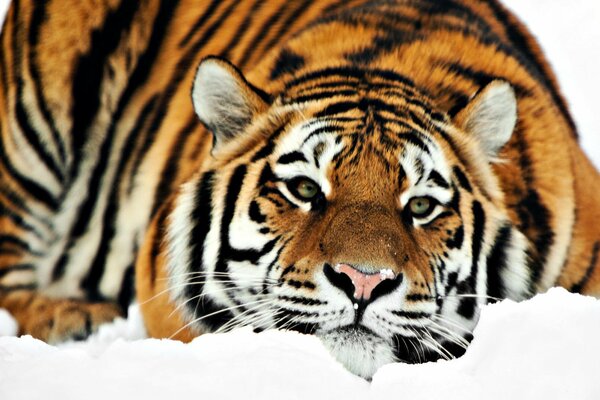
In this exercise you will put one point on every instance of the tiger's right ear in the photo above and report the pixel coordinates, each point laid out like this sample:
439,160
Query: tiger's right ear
224,100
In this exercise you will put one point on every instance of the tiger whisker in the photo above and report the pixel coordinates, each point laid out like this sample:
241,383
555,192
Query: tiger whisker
469,295
415,346
449,336
204,294
233,322
434,345
453,323
196,320
215,273
166,290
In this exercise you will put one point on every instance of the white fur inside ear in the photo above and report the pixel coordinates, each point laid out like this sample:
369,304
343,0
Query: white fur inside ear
492,116
220,101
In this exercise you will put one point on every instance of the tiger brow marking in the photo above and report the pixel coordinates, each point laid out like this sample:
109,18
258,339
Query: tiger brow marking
323,129
437,178
292,157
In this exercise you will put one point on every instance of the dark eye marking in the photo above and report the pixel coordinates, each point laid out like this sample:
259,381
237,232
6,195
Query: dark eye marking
292,157
255,214
435,177
462,179
415,141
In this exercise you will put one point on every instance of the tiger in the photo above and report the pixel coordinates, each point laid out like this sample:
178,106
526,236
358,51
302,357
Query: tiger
372,172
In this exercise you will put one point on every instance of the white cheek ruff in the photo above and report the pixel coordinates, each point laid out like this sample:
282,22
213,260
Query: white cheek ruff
178,232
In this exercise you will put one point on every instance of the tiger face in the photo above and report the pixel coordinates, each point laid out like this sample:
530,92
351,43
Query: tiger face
347,207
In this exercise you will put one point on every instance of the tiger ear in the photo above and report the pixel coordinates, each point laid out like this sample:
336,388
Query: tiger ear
490,116
224,100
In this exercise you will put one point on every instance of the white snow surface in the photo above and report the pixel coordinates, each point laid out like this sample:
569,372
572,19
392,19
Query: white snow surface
544,348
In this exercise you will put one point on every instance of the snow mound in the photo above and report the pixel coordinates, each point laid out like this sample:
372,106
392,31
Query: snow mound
546,348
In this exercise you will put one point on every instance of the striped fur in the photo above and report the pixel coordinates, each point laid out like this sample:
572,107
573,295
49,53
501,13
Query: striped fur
106,164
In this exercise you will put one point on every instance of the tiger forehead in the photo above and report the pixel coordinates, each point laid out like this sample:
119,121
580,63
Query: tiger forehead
368,91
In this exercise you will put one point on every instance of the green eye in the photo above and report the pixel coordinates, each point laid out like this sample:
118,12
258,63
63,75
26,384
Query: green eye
307,189
420,206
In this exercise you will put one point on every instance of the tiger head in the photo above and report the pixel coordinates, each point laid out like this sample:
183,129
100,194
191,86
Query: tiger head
350,207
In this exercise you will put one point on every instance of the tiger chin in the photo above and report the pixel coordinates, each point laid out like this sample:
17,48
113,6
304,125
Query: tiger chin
369,172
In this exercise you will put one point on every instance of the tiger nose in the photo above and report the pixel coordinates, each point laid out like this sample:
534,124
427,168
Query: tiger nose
362,284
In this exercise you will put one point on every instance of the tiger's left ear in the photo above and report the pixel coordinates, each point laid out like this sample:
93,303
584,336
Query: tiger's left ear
490,116
224,100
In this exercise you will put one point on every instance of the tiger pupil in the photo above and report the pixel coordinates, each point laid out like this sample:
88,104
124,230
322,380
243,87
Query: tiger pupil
419,205
307,189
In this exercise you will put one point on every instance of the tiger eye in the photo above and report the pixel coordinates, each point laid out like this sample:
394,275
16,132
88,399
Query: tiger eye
419,206
307,189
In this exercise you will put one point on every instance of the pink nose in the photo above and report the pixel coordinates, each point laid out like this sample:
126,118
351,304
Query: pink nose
364,283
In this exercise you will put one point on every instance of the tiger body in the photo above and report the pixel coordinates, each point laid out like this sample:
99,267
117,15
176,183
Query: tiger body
106,162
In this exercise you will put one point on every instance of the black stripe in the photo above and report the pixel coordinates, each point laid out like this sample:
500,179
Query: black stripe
418,297
578,287
292,157
89,72
32,136
169,172
457,238
201,220
19,221
14,288
301,300
127,292
263,31
35,191
157,242
415,141
437,178
323,129
268,147
287,62
255,214
208,12
467,305
337,108
18,243
410,314
295,13
320,95
39,15
462,179
496,263
349,73
242,28
145,134
136,80
111,212
234,188
252,255
14,268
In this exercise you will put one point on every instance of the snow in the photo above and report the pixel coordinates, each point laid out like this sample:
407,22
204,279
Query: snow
544,348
